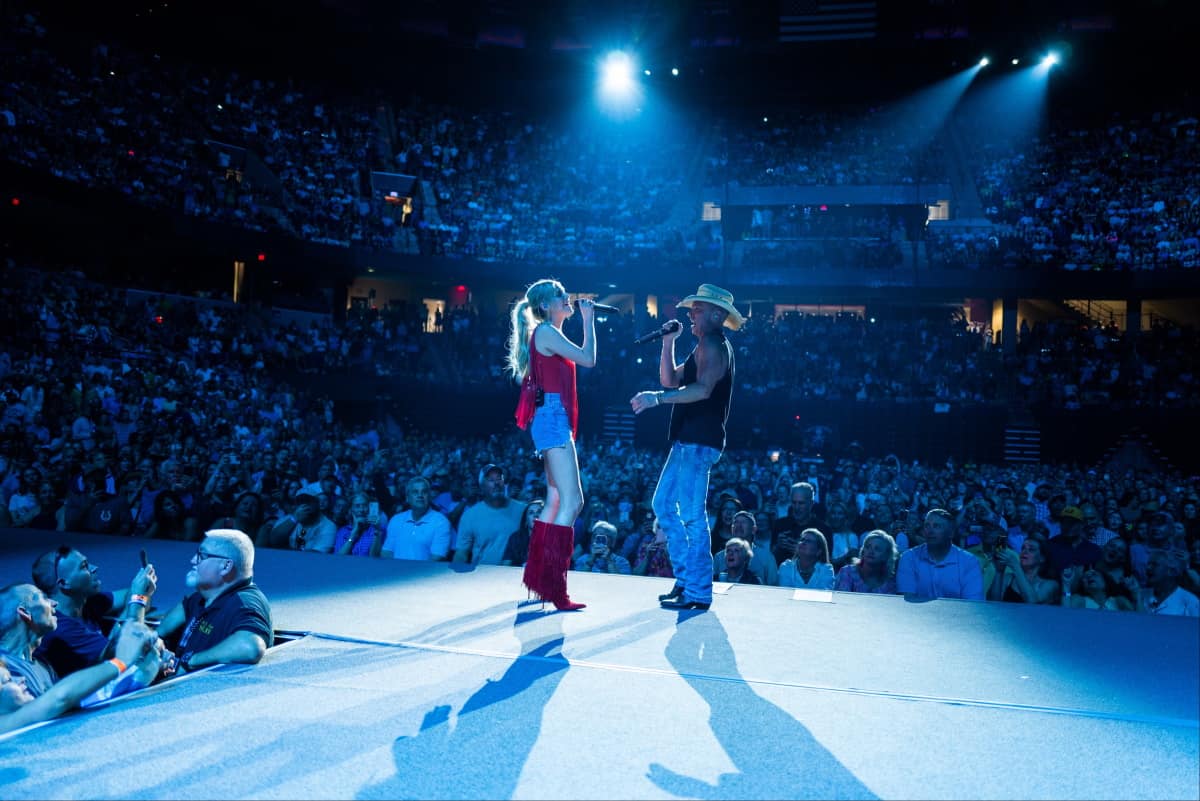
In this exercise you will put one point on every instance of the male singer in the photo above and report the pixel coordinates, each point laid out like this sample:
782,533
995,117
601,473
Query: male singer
700,388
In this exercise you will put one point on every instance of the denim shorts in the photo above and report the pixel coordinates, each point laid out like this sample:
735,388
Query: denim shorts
551,428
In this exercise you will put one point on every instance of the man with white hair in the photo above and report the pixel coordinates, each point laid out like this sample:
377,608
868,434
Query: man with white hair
26,616
1163,595
227,618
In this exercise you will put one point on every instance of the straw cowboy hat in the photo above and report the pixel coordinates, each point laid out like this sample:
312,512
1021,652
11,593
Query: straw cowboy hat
711,293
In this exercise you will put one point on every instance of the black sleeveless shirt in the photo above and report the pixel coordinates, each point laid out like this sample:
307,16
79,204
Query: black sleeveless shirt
703,422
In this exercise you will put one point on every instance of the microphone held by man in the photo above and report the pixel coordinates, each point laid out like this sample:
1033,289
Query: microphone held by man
669,327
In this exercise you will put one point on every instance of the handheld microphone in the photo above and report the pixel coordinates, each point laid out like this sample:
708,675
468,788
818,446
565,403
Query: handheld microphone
669,327
604,308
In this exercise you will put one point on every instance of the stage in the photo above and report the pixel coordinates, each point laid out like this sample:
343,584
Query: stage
427,680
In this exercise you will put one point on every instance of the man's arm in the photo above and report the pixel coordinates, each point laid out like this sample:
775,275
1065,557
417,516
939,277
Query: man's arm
172,622
669,373
144,583
66,694
972,579
906,573
440,548
711,365
466,538
242,646
386,552
351,540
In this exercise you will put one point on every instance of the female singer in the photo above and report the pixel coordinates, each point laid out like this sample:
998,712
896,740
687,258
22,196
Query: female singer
542,358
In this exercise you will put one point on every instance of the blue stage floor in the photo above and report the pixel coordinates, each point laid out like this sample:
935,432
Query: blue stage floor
426,681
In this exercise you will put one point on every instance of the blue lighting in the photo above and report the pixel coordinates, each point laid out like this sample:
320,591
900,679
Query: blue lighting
619,89
617,74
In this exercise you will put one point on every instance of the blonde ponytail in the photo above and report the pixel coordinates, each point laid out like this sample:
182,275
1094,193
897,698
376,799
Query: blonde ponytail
518,340
526,314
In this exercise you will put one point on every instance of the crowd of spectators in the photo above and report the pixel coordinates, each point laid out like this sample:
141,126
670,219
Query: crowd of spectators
165,417
523,186
868,145
162,378
170,418
1111,193
497,185
519,188
938,356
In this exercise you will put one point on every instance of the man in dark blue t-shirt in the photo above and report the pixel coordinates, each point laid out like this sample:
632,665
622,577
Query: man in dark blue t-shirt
81,637
227,618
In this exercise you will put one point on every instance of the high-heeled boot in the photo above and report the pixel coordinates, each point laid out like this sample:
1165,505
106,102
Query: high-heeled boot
540,553
562,544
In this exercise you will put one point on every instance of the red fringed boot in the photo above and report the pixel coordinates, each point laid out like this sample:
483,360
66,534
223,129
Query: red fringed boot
535,564
561,542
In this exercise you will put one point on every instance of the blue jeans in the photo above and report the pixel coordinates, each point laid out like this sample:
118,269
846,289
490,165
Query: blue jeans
680,503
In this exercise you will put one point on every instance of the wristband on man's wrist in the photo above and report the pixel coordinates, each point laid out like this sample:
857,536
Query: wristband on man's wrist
144,600
118,664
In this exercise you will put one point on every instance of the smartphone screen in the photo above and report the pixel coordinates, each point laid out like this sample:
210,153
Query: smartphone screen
374,508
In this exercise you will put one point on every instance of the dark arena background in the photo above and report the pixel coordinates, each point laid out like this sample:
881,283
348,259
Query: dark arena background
260,260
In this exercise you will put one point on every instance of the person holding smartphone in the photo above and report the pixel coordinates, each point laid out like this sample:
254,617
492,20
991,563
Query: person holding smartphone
543,359
362,536
600,556
83,635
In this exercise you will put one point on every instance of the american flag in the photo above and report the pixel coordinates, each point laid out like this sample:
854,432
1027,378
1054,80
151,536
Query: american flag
826,20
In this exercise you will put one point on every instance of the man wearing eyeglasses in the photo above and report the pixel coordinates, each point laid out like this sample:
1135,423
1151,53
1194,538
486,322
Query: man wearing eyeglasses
227,618
71,581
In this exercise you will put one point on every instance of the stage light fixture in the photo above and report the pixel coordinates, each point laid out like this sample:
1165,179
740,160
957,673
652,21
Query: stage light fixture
617,73
983,62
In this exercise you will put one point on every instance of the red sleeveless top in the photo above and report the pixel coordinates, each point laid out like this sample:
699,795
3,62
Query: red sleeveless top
552,374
